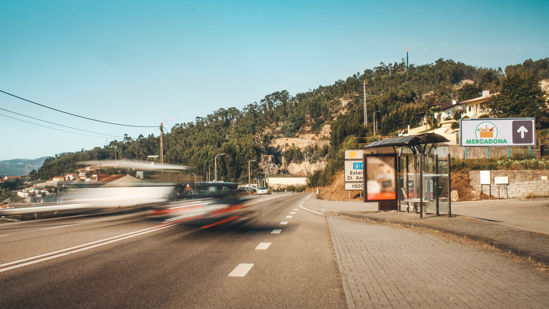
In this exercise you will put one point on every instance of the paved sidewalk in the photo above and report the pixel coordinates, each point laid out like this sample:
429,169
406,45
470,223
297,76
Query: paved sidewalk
518,231
530,215
384,267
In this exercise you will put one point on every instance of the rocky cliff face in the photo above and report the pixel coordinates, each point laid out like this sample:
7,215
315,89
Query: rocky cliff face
304,141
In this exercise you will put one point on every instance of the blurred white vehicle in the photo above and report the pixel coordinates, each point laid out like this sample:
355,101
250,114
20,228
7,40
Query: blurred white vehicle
263,190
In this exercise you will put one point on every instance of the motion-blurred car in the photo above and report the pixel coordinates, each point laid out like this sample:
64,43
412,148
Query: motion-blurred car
262,190
206,204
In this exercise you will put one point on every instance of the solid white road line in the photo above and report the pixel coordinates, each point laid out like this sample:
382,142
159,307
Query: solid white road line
310,210
307,209
276,231
241,270
58,227
283,222
263,246
59,253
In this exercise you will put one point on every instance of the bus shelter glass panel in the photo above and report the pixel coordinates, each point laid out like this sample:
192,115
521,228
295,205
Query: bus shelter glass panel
444,197
429,184
435,181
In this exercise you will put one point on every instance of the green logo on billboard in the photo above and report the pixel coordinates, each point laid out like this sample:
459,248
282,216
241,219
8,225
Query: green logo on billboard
486,129
486,133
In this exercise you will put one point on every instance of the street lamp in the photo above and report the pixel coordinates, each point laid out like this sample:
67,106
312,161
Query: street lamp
161,142
375,122
249,175
215,165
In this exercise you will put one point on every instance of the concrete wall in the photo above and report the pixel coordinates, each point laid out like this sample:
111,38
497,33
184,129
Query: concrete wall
522,183
282,182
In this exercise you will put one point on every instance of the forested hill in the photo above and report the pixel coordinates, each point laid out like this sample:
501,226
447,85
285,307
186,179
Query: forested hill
398,95
19,167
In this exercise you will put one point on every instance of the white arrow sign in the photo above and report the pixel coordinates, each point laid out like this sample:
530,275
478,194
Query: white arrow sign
522,130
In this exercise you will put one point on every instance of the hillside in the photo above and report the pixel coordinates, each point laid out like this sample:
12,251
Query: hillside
20,167
305,133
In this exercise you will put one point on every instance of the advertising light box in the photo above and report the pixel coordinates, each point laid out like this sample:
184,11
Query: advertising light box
380,177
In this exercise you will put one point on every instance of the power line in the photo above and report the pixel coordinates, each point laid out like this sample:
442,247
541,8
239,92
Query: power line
75,115
37,124
58,124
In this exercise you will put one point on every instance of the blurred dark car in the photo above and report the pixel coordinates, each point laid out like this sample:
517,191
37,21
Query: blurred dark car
206,204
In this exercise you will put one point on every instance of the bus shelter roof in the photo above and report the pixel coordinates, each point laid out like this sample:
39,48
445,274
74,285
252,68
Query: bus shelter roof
412,141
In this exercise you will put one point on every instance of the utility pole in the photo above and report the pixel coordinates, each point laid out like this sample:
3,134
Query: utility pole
365,108
161,145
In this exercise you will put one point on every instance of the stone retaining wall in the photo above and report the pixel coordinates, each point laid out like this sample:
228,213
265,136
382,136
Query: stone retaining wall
522,183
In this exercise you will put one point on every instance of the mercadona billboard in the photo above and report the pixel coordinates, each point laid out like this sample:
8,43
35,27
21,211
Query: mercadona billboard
497,132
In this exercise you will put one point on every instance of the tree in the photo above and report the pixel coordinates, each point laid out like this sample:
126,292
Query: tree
469,92
521,96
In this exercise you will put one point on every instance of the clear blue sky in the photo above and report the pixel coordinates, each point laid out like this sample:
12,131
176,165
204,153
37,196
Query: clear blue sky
145,62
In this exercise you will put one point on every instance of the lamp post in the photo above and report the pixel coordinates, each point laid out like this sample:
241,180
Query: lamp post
365,107
249,174
215,165
375,122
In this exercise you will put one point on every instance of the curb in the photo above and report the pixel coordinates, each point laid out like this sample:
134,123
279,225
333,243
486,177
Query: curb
532,256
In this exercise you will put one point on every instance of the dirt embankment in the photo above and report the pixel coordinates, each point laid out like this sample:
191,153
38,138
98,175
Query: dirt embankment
336,191
460,183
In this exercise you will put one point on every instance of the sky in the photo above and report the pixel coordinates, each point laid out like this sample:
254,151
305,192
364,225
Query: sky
146,62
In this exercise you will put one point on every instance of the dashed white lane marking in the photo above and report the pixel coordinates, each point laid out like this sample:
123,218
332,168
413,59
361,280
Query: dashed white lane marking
283,222
296,209
276,231
289,217
241,270
292,213
263,246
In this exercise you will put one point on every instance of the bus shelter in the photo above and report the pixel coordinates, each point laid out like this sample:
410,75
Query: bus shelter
422,174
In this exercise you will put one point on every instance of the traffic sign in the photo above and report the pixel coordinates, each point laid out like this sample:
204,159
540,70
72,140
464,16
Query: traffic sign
354,186
355,154
353,171
498,132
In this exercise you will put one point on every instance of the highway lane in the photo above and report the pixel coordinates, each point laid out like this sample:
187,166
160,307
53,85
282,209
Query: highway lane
173,266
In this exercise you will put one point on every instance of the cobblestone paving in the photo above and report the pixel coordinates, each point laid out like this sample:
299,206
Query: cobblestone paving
387,267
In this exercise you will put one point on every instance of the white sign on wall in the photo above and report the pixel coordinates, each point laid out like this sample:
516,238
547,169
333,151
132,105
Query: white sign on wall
484,177
501,180
497,132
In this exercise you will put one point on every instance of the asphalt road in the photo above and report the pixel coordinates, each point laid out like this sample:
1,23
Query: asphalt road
126,260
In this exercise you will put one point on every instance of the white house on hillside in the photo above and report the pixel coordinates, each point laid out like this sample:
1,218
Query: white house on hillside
472,108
